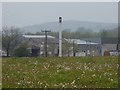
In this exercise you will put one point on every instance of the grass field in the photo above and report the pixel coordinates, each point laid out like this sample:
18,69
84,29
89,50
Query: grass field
65,72
0,72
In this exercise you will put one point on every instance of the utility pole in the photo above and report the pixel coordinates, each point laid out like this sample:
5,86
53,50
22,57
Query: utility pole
90,48
45,44
60,36
117,47
73,48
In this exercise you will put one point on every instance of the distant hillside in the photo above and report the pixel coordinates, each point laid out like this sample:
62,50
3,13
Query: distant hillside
72,25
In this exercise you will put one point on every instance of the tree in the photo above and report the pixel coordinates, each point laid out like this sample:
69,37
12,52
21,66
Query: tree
66,47
104,33
21,51
10,39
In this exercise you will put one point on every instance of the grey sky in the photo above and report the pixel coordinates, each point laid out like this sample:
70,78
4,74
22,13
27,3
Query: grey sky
0,15
23,14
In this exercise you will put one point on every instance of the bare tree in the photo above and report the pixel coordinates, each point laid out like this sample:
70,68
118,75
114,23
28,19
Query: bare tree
10,39
66,48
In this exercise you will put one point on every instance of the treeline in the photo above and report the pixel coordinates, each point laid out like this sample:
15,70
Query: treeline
82,33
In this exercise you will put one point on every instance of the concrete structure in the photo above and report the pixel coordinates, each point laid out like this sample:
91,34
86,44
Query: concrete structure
60,36
114,52
111,45
86,48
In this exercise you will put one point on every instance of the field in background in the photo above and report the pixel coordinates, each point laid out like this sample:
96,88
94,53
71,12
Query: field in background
0,72
54,72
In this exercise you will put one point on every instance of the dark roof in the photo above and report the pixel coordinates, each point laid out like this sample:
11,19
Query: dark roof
110,40
114,50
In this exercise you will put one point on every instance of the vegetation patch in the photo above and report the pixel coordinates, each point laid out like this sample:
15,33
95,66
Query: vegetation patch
64,72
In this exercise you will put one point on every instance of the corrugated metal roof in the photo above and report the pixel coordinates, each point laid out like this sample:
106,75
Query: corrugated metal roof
37,36
95,40
79,41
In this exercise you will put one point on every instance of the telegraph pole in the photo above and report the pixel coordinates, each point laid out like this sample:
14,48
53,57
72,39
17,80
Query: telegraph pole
45,45
73,48
60,36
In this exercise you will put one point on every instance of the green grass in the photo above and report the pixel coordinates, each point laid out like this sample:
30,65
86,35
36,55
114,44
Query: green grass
65,72
0,72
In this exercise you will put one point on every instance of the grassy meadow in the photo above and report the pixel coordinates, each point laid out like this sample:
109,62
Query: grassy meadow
0,72
64,72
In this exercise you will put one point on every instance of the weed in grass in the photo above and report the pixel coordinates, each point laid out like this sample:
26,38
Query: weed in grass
65,72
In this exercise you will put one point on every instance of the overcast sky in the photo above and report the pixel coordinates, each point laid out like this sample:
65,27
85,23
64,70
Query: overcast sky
24,14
